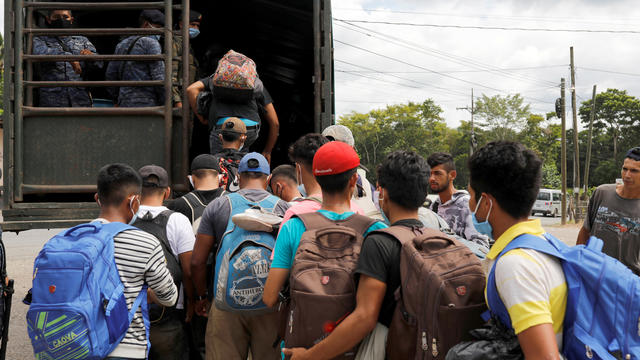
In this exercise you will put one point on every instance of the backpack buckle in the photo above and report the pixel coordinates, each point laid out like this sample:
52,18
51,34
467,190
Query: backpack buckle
589,353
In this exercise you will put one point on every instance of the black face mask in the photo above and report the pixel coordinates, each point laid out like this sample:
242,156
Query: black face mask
61,24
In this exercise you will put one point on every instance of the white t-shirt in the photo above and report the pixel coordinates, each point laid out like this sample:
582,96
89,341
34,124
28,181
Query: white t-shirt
179,233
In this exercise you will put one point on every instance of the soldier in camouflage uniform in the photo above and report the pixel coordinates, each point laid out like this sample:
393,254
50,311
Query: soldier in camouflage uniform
195,18
63,70
136,96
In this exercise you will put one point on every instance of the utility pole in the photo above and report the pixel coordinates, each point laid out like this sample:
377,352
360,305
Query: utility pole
472,136
563,156
588,162
576,157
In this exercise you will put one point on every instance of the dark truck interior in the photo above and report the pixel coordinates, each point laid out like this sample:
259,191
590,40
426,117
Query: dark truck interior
277,35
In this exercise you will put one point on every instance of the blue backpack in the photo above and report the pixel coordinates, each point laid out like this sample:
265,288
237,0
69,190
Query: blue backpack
79,310
602,319
243,261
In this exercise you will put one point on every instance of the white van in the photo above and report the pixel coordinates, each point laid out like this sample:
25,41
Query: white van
548,202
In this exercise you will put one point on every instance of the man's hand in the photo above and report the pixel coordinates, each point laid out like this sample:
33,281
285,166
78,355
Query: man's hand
296,353
86,52
267,156
179,104
190,311
203,121
76,67
202,307
151,297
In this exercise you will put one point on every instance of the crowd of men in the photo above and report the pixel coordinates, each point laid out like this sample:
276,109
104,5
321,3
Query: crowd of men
184,246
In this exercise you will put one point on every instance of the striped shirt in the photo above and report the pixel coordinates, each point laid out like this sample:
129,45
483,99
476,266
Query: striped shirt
139,259
531,284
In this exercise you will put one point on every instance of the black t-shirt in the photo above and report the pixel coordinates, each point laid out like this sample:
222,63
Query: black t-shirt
380,259
205,196
245,110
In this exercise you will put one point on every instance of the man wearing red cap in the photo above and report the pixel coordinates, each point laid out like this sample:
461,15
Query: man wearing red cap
334,166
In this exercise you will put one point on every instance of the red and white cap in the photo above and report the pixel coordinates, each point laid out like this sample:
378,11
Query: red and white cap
334,158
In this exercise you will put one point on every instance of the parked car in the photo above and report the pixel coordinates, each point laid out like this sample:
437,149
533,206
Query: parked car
548,203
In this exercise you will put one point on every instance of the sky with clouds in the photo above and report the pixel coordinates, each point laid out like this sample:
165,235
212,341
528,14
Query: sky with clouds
378,64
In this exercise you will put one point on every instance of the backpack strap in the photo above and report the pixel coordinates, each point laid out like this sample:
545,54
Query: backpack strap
315,220
551,246
192,205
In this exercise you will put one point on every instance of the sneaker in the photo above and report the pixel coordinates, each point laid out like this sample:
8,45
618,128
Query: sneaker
257,219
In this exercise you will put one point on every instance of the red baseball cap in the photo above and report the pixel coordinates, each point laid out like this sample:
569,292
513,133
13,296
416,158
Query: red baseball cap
333,158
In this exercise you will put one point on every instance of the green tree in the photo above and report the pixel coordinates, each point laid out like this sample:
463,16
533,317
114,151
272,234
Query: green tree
414,126
503,116
617,113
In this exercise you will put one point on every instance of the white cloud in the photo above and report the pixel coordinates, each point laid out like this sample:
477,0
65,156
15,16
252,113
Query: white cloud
496,48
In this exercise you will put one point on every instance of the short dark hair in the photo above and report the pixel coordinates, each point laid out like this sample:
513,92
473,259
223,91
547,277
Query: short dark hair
285,171
230,136
253,175
633,154
150,186
51,11
337,183
509,172
405,176
303,150
202,173
116,182
442,158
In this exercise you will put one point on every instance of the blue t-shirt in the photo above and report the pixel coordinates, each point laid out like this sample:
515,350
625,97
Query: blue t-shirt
291,232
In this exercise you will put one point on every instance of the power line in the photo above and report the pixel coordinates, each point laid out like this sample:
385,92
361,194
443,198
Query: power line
500,17
609,31
398,77
608,71
470,71
440,54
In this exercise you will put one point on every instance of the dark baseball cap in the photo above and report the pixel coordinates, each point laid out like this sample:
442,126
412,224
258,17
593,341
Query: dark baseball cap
148,173
153,16
205,161
194,16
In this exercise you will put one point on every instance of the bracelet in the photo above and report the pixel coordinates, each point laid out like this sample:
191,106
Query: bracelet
202,297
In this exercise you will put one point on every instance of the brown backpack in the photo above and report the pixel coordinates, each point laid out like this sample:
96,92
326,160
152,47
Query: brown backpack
441,297
322,285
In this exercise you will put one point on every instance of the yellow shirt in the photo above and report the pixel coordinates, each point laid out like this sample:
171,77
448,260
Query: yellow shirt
531,284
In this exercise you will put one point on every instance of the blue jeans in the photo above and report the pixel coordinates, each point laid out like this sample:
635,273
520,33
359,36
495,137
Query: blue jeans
215,144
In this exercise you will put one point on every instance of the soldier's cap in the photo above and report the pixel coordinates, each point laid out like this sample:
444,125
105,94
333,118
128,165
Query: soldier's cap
194,16
153,16
205,161
254,162
334,158
339,133
634,153
154,176
234,125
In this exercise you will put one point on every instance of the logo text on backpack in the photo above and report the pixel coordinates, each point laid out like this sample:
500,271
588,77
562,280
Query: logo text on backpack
64,340
461,290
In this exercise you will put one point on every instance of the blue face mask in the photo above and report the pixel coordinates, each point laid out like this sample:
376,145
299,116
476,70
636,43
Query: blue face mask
483,227
135,214
193,33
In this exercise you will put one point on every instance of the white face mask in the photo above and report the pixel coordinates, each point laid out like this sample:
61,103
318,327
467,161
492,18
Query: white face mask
134,214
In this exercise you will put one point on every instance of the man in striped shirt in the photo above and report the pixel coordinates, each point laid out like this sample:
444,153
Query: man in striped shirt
138,255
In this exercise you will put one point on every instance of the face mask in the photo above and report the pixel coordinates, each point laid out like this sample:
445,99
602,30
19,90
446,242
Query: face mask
135,214
60,23
483,227
193,33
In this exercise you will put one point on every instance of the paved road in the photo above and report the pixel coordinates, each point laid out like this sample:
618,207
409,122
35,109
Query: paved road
22,248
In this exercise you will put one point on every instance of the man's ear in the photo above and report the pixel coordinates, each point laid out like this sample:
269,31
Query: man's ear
167,193
97,199
354,179
453,174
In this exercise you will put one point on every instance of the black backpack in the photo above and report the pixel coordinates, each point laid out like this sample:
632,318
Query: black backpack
6,292
157,226
229,162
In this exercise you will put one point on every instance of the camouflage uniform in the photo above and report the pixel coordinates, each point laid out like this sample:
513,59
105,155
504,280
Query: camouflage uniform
176,72
137,70
63,71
